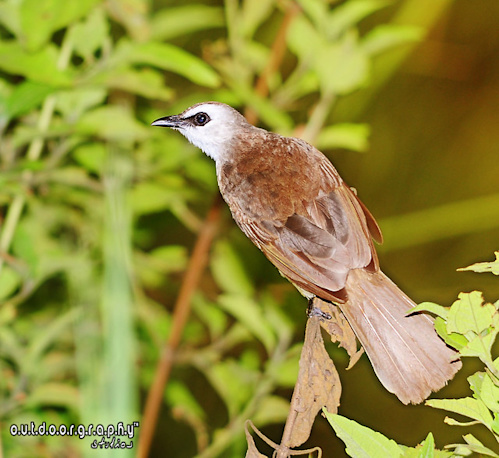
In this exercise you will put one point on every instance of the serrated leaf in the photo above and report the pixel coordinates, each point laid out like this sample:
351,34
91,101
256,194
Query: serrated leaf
469,407
167,57
250,315
480,346
345,135
360,441
228,270
468,314
484,266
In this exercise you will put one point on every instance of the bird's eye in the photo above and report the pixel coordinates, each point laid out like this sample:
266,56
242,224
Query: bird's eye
201,119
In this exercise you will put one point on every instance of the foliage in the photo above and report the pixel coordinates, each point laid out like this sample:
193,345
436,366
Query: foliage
471,326
99,210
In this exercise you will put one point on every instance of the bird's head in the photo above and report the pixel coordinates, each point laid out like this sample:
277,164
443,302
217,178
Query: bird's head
211,126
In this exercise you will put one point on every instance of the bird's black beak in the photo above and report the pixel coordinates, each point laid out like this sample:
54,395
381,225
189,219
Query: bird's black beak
175,121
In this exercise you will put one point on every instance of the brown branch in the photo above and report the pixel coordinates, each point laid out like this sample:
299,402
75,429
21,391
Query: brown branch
181,313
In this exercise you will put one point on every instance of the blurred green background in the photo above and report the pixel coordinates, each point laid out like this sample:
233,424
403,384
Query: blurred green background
100,212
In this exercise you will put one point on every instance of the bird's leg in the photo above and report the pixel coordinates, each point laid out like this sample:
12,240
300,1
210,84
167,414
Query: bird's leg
312,310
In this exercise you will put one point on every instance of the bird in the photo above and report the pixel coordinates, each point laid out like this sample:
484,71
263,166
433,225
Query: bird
289,200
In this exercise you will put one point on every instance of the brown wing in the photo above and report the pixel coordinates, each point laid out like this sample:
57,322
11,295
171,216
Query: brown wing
318,245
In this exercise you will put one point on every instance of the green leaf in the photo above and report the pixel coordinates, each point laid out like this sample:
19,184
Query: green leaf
39,19
477,447
38,66
317,11
347,135
455,340
145,82
431,307
112,123
250,315
480,346
302,36
346,15
46,336
10,280
233,383
489,394
167,57
88,36
173,22
72,104
228,270
253,14
54,394
360,441
179,396
211,315
342,66
468,314
469,407
26,96
428,447
92,156
484,266
150,197
386,36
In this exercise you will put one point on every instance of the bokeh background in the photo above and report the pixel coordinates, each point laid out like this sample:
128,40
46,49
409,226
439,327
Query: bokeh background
100,213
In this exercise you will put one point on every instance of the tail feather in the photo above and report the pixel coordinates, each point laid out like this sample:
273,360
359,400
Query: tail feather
407,355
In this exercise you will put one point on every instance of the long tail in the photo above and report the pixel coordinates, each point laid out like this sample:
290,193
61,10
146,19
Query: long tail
407,355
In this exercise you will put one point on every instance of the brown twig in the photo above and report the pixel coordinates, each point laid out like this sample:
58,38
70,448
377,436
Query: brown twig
181,313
